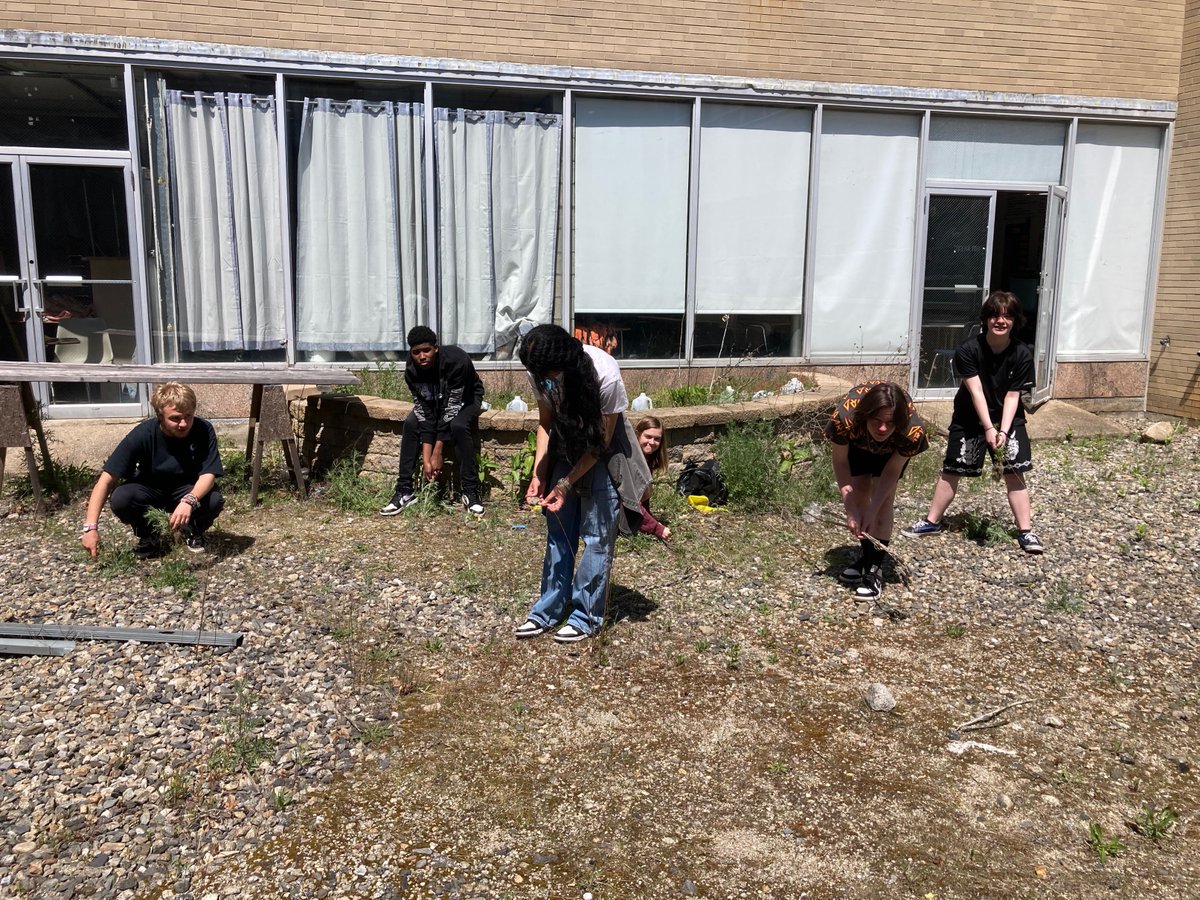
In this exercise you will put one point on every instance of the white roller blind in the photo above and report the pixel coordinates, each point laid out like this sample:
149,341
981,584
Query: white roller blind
754,164
969,148
866,222
631,205
1110,224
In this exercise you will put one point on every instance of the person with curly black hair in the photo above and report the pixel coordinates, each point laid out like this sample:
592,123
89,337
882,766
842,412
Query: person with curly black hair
587,468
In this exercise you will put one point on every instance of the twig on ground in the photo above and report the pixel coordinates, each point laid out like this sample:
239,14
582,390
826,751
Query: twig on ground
974,724
901,566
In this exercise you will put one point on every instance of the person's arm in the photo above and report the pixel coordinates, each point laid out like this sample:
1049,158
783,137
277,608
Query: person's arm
883,490
545,422
95,505
423,408
557,494
975,388
652,526
841,471
191,500
432,459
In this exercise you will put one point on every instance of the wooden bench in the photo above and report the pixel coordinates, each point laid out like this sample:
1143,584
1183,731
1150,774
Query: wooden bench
268,418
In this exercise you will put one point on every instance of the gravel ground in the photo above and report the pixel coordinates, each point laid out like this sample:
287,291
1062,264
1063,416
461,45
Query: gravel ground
379,733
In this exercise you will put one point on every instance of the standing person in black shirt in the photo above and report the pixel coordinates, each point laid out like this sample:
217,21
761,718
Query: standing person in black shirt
170,463
447,397
988,415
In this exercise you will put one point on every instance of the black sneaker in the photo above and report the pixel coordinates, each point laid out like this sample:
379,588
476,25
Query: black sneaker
1030,542
851,576
147,548
924,528
196,543
872,584
472,504
397,503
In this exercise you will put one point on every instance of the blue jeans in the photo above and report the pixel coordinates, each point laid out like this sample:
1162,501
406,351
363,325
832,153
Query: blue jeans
580,586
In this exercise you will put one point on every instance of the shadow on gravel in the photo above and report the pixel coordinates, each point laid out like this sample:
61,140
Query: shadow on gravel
226,545
626,603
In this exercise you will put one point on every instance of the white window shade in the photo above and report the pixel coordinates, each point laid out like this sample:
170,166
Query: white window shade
866,225
997,151
1110,227
631,205
753,208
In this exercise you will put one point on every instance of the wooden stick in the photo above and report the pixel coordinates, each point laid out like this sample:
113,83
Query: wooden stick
990,714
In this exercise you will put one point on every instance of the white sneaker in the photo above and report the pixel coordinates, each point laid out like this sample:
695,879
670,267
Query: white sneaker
397,503
472,504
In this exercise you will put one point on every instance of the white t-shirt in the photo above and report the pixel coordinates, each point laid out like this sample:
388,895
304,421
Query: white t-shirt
613,398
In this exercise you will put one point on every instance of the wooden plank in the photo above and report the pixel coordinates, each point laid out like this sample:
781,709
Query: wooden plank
35,647
103,633
232,373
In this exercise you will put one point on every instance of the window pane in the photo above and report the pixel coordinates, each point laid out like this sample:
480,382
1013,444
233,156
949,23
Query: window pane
754,164
631,203
866,218
738,337
963,148
53,105
1110,223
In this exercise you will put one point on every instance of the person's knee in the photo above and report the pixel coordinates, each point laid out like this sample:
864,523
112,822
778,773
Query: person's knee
215,502
127,501
411,424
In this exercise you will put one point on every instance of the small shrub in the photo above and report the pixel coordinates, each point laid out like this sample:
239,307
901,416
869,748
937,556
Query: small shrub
955,631
374,732
744,453
281,799
174,573
1063,598
733,658
684,395
981,528
244,749
116,563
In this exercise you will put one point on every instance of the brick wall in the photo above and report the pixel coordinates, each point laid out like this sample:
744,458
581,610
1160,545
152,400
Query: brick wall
1174,384
1090,47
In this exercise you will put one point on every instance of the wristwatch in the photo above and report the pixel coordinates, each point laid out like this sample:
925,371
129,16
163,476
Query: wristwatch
90,526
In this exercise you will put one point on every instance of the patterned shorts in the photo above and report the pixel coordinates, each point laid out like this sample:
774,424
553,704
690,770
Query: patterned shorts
965,450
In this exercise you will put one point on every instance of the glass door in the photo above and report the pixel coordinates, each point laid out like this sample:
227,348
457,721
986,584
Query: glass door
1043,343
958,256
66,282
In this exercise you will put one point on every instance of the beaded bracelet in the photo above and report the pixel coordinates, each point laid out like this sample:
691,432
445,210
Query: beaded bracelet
191,500
564,486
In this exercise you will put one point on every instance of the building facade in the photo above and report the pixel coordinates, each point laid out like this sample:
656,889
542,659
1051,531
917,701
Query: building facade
705,184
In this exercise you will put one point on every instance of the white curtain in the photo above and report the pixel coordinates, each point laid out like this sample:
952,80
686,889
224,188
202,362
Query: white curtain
229,247
866,226
970,148
1108,245
631,205
525,166
497,177
360,275
466,282
754,163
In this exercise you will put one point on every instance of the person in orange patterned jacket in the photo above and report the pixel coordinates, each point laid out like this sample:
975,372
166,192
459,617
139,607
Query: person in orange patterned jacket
875,431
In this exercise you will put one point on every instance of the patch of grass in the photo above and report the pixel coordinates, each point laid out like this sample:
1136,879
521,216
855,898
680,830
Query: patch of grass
281,799
160,521
684,395
174,572
1063,598
1103,845
955,631
342,632
777,769
744,452
733,658
116,563
178,790
385,380
1140,530
702,645
244,749
373,733
1155,823
351,492
467,581
434,645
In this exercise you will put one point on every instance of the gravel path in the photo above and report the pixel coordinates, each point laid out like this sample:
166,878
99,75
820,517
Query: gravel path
134,770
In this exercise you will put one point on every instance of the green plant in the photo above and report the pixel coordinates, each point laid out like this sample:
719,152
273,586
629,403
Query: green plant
955,631
244,749
160,521
791,452
373,732
741,452
684,395
485,466
467,581
116,563
1103,845
434,645
520,464
733,657
350,491
772,659
1063,598
1155,823
174,572
702,645
178,790
281,799
679,659
1140,530
777,768
385,380
983,529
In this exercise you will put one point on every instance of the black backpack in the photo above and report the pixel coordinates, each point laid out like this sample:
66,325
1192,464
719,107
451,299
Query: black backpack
704,479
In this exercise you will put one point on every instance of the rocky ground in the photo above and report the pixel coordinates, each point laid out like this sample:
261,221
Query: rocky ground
380,734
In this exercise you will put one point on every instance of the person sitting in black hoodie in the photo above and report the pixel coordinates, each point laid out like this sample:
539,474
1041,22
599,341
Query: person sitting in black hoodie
447,397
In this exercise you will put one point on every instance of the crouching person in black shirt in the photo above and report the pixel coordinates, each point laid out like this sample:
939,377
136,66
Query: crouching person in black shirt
170,463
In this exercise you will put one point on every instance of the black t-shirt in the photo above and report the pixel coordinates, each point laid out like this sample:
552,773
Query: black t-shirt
147,456
999,373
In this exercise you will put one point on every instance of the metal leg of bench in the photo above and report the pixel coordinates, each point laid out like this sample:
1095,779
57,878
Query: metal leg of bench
292,454
34,481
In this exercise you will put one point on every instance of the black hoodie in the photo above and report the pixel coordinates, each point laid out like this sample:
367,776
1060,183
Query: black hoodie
441,391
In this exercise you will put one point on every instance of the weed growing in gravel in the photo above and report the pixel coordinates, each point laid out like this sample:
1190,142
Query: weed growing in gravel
467,581
984,529
281,799
342,632
434,645
955,631
385,381
117,563
733,658
701,645
160,521
1064,599
351,492
777,769
1103,845
174,573
178,790
244,749
373,732
741,452
1155,823
1140,530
